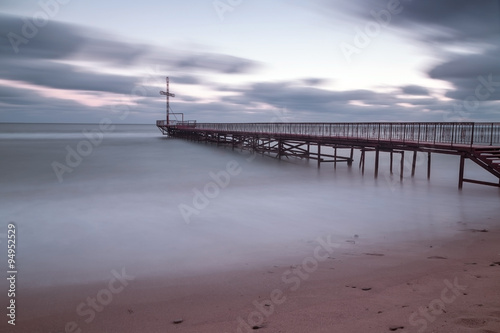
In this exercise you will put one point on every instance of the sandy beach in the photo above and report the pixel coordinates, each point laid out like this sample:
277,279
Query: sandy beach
235,166
432,285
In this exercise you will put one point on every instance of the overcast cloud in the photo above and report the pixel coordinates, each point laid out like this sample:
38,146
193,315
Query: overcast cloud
63,59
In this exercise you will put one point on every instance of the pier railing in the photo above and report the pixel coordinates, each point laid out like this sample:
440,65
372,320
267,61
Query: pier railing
465,133
186,123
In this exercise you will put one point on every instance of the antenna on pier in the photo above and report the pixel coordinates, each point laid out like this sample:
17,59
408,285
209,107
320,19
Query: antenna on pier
168,94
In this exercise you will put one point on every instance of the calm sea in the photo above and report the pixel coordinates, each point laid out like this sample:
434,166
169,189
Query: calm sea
87,199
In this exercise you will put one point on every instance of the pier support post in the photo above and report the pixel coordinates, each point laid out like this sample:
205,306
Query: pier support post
392,160
280,148
351,158
377,155
335,158
362,162
461,172
402,165
414,163
319,155
429,165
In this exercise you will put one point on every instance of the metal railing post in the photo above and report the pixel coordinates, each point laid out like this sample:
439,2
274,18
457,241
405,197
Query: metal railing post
452,134
435,133
491,136
472,135
418,135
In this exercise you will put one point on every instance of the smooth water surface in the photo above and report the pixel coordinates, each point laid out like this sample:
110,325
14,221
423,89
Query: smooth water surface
133,198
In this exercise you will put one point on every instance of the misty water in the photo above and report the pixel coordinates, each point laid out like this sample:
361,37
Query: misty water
121,205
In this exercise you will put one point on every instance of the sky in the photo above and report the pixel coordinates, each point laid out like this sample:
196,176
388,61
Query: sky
82,61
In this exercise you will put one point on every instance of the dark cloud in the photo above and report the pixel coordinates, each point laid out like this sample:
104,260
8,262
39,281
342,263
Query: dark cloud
472,75
276,93
33,47
329,105
245,107
23,40
70,57
443,20
313,81
468,65
464,34
186,79
61,76
20,39
419,101
8,94
415,90
458,19
216,63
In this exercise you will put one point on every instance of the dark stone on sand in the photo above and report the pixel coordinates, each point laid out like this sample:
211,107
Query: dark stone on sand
395,328
436,257
366,289
479,230
178,321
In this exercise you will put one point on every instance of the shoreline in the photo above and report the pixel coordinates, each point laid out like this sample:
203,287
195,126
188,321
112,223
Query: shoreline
360,286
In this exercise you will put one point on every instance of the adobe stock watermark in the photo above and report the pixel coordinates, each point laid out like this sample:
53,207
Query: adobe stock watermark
211,190
31,26
371,30
74,156
437,306
395,178
88,309
293,278
484,89
223,6
221,179
282,115
94,138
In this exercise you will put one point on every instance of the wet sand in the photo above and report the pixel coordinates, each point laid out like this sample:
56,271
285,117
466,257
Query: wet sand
433,285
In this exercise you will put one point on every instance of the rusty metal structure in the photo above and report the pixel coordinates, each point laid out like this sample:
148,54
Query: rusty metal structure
169,112
478,142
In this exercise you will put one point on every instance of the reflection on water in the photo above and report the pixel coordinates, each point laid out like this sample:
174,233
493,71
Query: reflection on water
120,205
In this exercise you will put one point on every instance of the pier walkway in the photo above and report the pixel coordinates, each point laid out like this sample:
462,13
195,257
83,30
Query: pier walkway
479,142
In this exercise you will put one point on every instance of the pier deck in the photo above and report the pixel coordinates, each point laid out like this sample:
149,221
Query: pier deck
479,142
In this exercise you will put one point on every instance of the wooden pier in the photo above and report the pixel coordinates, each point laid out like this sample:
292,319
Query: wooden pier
479,142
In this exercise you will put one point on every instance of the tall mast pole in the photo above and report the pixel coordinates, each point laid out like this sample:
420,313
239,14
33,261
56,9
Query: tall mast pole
168,94
168,101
